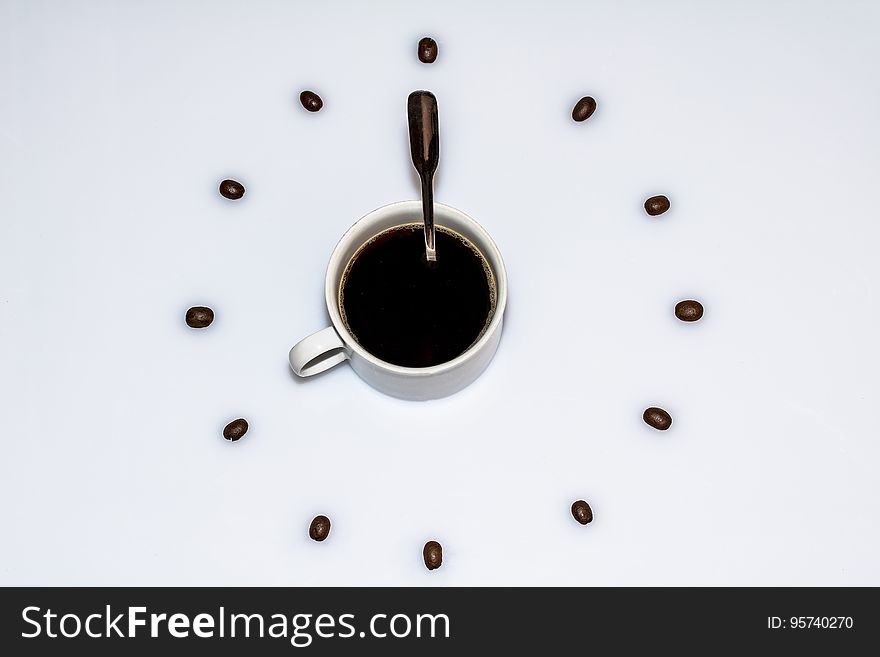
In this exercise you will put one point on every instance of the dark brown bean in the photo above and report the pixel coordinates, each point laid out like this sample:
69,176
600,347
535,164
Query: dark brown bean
689,310
427,50
583,109
433,554
311,101
320,528
657,418
235,429
582,512
231,189
199,317
656,205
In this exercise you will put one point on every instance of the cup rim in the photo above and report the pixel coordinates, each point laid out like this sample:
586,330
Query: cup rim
486,242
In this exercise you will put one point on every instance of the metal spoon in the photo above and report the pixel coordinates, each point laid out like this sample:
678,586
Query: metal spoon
424,143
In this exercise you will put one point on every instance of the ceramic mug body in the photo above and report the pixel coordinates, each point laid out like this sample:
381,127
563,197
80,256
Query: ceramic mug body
335,344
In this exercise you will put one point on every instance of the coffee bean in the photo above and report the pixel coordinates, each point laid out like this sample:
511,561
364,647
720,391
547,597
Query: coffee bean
582,512
427,50
583,109
657,418
689,310
231,189
199,317
656,205
235,429
433,554
311,101
320,528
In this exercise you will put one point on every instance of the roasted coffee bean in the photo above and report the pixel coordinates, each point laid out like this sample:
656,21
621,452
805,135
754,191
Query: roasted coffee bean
583,109
582,512
320,528
311,101
199,317
235,429
433,554
657,418
656,205
231,189
689,310
427,50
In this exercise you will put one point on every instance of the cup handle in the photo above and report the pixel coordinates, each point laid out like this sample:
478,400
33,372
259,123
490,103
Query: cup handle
318,352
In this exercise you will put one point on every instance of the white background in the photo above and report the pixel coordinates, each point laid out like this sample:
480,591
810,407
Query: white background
757,119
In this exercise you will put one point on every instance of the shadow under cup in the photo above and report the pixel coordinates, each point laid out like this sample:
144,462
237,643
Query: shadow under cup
412,313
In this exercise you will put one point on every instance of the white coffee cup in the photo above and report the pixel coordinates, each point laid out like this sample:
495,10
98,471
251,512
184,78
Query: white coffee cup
335,344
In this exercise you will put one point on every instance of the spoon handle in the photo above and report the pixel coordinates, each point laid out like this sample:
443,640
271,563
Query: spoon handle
428,212
424,143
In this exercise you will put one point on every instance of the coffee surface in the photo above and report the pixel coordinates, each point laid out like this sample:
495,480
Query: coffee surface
408,312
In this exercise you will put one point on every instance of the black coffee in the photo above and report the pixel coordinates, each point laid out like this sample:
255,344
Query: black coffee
408,312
